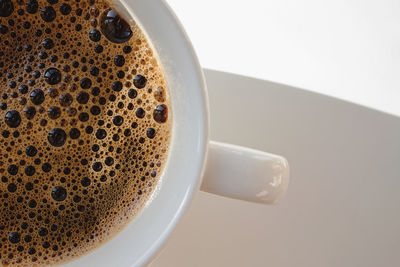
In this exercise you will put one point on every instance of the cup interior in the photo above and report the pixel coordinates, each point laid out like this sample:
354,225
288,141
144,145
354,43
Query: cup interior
139,241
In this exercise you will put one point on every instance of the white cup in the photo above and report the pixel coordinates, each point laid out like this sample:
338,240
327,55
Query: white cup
228,170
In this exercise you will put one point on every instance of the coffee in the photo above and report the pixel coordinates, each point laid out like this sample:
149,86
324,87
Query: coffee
84,123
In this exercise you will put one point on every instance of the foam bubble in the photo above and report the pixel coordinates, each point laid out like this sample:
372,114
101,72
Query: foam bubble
85,127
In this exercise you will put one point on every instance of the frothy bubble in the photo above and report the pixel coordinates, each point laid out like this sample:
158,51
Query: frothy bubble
85,127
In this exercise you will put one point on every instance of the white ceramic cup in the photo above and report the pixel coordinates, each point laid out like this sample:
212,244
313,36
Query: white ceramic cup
228,170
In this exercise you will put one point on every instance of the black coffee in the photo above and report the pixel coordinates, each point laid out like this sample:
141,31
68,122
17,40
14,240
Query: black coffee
84,127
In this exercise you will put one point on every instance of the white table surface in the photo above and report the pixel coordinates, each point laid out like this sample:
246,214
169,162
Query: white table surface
344,48
342,205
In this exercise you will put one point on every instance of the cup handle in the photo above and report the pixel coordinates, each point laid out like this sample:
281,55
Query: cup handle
246,174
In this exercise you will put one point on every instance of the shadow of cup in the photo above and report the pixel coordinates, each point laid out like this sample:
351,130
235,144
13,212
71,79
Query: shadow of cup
341,208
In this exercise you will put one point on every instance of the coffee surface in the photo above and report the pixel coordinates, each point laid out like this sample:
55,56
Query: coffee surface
84,127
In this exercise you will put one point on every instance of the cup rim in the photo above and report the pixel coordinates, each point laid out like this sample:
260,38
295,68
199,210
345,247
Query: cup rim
190,137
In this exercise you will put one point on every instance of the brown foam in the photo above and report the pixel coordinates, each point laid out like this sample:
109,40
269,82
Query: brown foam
49,216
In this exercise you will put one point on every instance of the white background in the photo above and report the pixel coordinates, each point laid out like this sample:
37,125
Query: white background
344,48
341,208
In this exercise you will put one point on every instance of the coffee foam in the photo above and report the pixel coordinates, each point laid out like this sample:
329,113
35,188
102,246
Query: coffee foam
84,128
